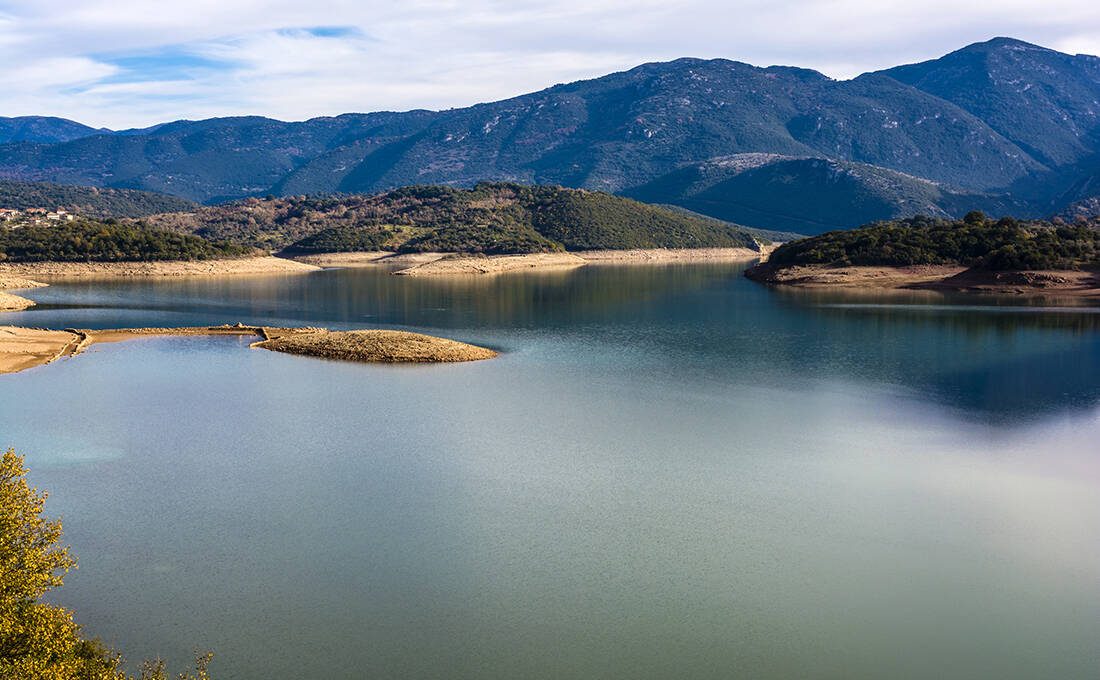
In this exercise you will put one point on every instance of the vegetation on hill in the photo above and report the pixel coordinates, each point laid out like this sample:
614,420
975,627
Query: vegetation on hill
974,241
88,201
491,218
40,641
85,241
809,195
764,234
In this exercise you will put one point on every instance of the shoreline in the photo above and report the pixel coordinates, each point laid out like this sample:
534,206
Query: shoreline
164,268
450,264
942,278
23,348
493,264
14,303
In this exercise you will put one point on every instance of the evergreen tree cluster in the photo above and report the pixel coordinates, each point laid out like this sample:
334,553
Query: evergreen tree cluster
974,241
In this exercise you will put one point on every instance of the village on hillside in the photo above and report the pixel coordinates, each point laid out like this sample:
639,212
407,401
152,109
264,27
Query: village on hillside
14,218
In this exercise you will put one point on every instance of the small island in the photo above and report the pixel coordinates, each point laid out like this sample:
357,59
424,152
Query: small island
975,254
23,348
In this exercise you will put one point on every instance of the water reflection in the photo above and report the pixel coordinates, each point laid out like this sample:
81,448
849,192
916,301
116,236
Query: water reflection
992,358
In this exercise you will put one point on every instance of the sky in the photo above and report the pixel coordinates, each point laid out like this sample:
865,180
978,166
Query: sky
134,63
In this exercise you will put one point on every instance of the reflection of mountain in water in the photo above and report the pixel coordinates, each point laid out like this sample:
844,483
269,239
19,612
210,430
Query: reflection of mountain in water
992,359
995,358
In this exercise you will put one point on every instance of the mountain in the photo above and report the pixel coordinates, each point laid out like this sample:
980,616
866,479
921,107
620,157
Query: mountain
1045,102
89,201
809,195
489,218
1001,117
43,129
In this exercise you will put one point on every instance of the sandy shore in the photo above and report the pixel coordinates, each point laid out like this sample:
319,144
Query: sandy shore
933,277
23,348
367,259
14,303
416,264
67,270
656,255
495,264
11,282
446,265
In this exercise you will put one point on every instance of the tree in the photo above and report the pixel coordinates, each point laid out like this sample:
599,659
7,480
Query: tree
40,641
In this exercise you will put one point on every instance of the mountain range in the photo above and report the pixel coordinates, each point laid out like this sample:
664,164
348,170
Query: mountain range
1003,126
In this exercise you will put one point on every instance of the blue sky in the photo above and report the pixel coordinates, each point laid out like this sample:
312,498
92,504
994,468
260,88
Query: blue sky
133,63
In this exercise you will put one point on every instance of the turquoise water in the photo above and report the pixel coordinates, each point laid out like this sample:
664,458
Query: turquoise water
669,472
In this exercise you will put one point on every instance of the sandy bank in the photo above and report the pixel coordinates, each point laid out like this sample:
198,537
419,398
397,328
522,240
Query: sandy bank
495,264
11,282
66,270
22,348
933,277
656,255
446,264
367,259
850,277
13,303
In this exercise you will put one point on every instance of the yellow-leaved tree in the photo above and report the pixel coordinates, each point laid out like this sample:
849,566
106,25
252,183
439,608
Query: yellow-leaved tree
40,641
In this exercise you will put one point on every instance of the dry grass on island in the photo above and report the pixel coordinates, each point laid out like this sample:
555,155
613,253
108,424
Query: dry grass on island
376,346
23,348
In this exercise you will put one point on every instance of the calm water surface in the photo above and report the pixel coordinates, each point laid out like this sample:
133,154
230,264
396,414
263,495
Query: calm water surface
669,472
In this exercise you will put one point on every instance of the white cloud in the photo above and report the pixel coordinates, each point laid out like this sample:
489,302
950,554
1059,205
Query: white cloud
61,56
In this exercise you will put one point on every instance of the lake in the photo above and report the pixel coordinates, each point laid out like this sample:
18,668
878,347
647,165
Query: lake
670,471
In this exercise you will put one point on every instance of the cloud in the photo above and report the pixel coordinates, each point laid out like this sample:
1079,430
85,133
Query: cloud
133,63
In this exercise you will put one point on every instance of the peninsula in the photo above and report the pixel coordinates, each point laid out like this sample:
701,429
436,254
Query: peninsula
974,254
23,348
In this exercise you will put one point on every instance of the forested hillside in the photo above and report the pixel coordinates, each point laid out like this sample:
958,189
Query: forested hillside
88,201
490,218
103,242
975,241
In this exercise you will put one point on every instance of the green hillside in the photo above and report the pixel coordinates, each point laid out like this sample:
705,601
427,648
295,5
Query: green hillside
88,201
105,242
490,218
974,241
809,195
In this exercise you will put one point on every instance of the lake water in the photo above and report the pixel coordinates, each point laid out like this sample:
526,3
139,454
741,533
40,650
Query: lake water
670,472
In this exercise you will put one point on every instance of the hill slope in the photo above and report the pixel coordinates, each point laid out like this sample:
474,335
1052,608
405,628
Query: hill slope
974,241
490,218
43,129
809,195
89,201
87,241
